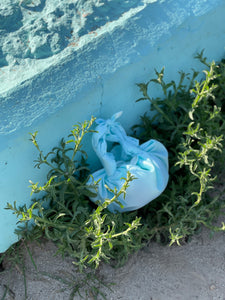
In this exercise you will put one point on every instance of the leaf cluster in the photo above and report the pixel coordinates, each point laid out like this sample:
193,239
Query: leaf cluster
189,121
64,213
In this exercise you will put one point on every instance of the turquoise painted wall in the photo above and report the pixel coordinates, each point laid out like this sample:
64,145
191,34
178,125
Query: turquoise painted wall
50,87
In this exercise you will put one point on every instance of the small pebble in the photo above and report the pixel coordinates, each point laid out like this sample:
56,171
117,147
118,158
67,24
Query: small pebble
212,287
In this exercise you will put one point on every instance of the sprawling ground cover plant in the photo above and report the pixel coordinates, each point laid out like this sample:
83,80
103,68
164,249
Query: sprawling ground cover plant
65,215
189,121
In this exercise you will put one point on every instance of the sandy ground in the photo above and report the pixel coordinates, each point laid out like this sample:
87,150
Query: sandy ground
193,271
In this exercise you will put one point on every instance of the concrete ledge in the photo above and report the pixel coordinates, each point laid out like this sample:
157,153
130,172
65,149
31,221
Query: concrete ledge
93,72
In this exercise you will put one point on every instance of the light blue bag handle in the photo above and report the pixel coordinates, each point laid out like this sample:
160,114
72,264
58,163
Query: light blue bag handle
111,131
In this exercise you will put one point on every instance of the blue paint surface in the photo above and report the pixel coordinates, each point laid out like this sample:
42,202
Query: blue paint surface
60,82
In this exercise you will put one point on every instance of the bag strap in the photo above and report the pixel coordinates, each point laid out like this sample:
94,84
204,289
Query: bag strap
111,131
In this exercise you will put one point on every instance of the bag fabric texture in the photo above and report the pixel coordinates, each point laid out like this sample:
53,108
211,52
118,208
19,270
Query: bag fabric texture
148,163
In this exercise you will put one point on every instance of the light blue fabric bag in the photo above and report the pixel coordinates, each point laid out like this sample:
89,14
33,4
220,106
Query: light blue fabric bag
148,163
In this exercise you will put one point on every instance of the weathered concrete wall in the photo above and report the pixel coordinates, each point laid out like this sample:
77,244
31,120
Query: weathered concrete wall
61,62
